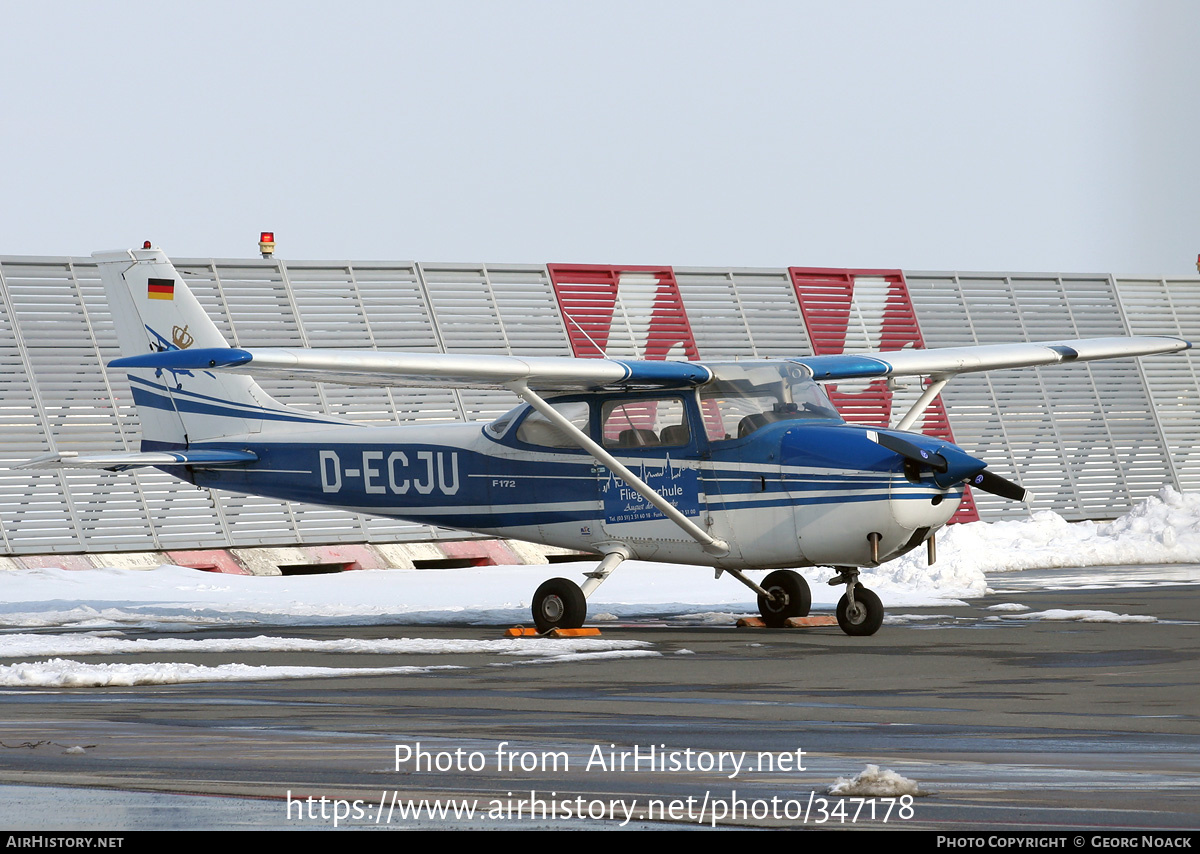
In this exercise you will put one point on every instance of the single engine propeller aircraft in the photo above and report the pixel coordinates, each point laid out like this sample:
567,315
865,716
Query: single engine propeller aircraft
736,466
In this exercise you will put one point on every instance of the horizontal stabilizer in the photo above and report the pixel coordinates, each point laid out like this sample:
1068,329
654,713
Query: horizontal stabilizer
435,370
119,461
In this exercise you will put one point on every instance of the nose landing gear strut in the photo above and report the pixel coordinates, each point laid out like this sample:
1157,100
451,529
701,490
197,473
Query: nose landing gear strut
859,611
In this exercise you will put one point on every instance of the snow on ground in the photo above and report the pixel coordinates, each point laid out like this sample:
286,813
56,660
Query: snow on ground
60,673
1080,616
109,643
1163,529
105,602
66,673
57,672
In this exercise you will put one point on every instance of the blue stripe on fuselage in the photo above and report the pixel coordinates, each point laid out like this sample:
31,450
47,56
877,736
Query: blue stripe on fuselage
462,487
407,481
154,396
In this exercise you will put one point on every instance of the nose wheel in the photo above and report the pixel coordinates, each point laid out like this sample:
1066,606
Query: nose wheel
859,611
863,616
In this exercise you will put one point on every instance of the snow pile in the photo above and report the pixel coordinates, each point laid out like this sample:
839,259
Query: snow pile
897,580
57,672
1162,529
873,783
1059,614
40,645
62,673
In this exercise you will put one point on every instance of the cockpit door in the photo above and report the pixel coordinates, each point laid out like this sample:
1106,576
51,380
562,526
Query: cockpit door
656,438
749,409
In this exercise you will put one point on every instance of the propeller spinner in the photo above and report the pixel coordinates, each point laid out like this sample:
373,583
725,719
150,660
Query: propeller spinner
952,466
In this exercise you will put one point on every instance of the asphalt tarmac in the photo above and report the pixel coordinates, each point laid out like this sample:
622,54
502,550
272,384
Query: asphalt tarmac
1005,724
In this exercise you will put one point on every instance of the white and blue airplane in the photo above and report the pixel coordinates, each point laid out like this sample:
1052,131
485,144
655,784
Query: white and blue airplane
736,466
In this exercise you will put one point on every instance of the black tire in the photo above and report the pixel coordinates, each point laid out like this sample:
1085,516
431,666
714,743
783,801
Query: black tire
559,604
867,616
797,598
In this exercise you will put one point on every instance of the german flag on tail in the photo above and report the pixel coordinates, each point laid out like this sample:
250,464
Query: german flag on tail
160,288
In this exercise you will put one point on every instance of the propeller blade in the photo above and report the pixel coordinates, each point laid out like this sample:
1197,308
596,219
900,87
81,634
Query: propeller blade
903,447
998,485
952,466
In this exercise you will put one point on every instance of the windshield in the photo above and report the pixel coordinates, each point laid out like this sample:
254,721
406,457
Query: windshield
743,398
500,426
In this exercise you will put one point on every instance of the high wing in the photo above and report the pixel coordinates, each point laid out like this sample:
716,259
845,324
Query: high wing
370,367
950,361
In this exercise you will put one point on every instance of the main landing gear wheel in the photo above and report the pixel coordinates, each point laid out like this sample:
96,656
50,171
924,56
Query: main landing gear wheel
559,604
865,617
791,597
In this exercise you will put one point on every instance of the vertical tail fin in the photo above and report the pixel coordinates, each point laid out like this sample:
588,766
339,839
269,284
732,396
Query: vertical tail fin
154,310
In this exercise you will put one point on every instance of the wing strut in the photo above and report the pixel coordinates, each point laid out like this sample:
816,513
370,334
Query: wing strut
712,545
926,398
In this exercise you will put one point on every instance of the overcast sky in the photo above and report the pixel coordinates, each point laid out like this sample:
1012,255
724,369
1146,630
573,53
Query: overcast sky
1047,136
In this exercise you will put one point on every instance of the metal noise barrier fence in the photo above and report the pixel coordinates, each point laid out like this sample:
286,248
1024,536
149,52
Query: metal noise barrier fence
1090,440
